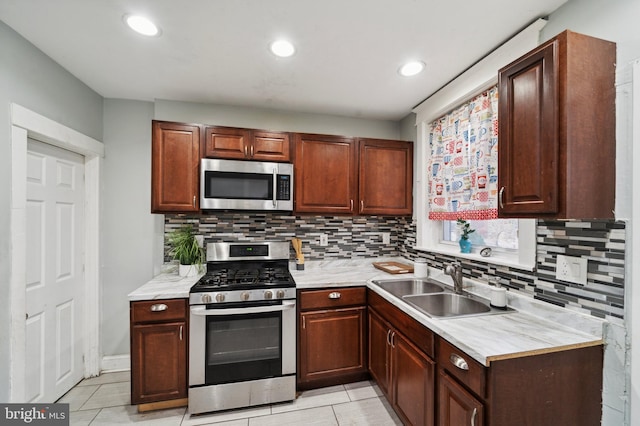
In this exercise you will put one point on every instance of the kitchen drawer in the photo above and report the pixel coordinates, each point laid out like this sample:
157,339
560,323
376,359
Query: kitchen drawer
332,298
158,310
458,364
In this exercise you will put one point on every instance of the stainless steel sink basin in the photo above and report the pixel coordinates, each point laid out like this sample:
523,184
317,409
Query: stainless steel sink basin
405,287
445,305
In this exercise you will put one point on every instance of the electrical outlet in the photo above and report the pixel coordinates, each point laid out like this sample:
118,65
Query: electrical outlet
324,240
571,269
386,238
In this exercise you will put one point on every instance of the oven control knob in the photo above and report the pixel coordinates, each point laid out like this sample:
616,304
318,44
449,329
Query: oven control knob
219,297
244,296
268,294
206,298
280,294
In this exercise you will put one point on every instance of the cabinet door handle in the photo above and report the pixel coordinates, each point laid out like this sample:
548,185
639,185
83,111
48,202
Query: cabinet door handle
389,337
351,208
194,201
159,307
393,339
180,332
361,205
246,152
500,197
304,322
473,417
335,295
459,362
252,151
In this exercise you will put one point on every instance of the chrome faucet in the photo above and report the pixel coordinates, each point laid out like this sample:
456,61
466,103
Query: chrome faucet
455,270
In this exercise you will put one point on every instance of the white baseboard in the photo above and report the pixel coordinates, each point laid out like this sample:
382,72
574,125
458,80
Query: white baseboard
115,363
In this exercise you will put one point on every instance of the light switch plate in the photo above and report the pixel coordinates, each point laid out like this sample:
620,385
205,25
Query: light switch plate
571,269
324,240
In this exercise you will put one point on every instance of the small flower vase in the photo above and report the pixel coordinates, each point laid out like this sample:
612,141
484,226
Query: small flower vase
465,245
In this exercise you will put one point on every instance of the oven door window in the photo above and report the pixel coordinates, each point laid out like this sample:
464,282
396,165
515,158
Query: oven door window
243,347
238,186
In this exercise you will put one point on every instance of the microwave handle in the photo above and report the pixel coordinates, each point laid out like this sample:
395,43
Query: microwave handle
275,186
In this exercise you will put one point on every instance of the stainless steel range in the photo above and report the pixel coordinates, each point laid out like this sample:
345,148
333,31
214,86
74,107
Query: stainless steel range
242,336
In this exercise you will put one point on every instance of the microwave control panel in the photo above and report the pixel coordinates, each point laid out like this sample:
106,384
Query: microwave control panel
283,187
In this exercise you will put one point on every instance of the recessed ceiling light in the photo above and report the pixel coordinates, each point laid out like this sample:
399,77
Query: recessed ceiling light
411,68
282,48
142,25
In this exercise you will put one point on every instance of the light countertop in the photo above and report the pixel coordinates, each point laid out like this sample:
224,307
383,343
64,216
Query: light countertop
535,328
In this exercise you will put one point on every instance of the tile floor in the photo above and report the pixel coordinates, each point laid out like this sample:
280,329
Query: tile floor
104,400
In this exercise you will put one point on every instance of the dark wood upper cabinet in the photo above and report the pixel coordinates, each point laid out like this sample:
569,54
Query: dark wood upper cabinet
175,161
246,144
557,142
341,175
386,177
325,174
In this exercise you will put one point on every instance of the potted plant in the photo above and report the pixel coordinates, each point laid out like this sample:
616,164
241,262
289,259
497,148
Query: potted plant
465,229
186,250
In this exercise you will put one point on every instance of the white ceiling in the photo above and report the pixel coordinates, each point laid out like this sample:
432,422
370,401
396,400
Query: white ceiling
216,51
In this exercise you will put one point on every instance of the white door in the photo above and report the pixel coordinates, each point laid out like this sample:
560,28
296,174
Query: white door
55,276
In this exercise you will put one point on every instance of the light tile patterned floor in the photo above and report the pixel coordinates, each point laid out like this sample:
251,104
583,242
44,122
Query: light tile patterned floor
105,400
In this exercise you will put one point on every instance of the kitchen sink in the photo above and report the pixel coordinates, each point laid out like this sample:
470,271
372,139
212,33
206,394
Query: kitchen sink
406,287
446,305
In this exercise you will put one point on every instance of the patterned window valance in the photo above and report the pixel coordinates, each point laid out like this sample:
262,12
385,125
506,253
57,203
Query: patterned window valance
463,164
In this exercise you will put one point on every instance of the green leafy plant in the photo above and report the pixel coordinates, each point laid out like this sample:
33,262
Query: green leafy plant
185,248
465,229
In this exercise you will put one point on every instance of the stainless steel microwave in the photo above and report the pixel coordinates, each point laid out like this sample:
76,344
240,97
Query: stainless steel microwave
245,185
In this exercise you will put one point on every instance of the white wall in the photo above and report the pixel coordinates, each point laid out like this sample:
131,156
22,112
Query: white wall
31,79
268,119
129,238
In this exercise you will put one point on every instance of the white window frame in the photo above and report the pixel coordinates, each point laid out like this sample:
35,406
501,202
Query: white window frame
478,78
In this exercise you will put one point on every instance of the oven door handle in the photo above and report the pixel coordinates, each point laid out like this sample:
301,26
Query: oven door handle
201,310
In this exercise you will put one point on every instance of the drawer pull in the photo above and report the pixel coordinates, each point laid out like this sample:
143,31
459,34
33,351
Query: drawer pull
159,307
459,362
335,295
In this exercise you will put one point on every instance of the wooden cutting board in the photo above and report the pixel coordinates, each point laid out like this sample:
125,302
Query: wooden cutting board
394,267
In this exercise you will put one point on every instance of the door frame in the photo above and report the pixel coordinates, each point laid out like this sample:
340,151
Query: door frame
28,124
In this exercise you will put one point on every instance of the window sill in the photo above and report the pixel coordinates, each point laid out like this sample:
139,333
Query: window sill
498,258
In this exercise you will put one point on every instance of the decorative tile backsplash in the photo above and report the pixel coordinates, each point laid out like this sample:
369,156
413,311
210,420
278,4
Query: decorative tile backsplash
601,242
348,236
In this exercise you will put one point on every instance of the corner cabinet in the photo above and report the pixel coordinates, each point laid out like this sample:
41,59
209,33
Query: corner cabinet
246,144
159,332
331,348
342,175
428,380
557,131
175,162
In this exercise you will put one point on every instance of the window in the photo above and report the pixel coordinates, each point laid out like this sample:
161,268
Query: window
496,233
441,237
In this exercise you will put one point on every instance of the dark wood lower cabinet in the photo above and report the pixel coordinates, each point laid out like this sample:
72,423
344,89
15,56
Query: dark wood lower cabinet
159,352
403,372
457,406
332,339
558,388
413,390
